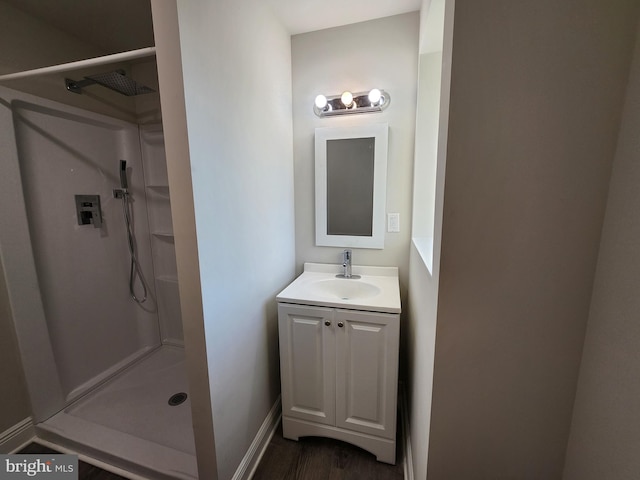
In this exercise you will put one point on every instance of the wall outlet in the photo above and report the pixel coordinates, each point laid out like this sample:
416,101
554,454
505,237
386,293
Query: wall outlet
393,222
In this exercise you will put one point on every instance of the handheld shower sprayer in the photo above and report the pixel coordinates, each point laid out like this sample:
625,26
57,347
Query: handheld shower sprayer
136,269
123,175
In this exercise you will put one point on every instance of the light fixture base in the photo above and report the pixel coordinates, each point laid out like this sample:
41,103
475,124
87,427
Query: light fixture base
360,104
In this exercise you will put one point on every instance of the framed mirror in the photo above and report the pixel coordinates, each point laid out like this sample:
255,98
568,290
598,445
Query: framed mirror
351,185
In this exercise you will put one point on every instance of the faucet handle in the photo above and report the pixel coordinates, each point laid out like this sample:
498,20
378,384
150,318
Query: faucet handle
346,255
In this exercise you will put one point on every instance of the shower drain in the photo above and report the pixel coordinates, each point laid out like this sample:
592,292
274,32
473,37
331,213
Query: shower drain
177,399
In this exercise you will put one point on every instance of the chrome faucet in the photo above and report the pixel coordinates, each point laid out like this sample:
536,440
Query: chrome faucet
346,263
347,255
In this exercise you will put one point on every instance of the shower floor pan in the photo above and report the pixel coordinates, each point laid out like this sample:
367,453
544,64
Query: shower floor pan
129,423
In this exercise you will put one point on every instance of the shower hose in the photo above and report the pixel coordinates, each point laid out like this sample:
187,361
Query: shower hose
135,270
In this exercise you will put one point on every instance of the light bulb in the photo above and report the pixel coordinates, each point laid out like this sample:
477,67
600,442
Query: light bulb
347,98
375,95
321,101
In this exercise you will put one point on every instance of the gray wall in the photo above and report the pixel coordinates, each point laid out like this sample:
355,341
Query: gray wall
167,40
536,96
14,401
236,61
436,32
605,432
379,53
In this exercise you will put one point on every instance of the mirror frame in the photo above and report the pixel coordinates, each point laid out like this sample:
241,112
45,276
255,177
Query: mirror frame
379,131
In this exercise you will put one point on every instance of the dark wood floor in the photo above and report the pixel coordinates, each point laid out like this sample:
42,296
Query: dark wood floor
314,458
85,470
310,458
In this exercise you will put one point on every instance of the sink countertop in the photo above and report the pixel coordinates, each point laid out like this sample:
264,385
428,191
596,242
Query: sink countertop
304,289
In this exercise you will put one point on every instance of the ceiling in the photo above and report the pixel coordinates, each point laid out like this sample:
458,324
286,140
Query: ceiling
120,25
110,25
300,16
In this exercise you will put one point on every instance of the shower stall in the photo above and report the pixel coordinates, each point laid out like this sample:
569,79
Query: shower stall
87,243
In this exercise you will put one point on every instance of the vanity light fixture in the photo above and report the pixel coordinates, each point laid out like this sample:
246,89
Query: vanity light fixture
374,100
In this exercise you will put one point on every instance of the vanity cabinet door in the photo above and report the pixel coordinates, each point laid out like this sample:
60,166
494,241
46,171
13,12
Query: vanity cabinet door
307,362
367,371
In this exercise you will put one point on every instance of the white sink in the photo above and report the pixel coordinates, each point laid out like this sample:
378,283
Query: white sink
376,290
346,288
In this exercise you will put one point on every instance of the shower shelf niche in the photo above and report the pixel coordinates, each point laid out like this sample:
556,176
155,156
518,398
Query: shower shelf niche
161,189
167,236
162,239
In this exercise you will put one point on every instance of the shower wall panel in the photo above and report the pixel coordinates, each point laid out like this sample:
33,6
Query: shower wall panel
83,271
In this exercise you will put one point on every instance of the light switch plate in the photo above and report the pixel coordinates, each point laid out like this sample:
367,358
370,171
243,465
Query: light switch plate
393,222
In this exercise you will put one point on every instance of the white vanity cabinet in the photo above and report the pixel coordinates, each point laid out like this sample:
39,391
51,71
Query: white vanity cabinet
339,373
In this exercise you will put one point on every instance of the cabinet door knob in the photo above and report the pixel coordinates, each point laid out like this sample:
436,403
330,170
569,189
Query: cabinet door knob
340,324
327,323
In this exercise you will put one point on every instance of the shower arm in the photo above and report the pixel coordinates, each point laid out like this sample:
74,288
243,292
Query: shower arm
77,86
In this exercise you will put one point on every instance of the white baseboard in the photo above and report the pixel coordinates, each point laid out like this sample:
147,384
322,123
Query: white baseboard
406,434
250,461
17,436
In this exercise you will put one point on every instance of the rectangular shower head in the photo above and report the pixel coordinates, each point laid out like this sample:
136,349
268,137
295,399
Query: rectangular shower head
115,80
